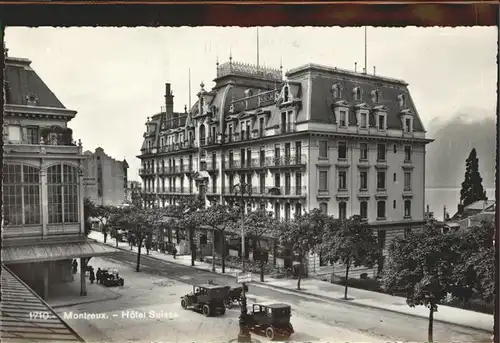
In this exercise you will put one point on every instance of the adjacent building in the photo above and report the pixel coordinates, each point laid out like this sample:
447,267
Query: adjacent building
322,137
43,226
133,187
105,178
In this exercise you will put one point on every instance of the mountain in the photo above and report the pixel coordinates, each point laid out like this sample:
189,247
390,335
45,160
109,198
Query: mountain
453,140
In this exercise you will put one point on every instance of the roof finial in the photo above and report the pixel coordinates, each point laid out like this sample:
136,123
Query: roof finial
217,60
230,55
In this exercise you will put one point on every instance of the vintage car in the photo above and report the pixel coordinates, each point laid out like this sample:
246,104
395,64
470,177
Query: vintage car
209,299
111,278
273,320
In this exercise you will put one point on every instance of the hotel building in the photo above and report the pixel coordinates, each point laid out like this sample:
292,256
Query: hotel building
341,141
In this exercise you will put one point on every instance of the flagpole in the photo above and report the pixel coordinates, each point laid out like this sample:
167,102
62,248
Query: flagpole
189,89
366,51
257,48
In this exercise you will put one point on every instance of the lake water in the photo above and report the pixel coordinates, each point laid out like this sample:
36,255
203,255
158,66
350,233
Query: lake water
436,198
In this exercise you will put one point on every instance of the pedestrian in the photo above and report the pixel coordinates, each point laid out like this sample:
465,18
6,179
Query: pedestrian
98,275
174,252
75,266
105,232
91,276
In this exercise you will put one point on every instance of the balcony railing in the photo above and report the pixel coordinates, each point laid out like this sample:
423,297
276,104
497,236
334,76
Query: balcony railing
291,160
174,190
279,191
146,171
26,147
177,146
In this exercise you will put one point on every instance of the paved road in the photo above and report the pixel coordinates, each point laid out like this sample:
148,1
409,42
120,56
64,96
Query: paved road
384,324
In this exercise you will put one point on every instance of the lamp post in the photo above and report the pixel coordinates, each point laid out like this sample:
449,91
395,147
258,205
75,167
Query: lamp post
239,191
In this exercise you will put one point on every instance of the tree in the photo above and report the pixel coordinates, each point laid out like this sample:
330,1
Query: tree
420,266
474,271
137,221
258,225
103,214
352,243
219,218
187,214
472,187
302,235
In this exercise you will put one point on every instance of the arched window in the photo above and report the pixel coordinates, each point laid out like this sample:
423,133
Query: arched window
202,134
21,194
336,91
323,207
357,93
285,94
62,190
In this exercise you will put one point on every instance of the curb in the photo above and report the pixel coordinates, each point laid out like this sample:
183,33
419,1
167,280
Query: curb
85,302
321,297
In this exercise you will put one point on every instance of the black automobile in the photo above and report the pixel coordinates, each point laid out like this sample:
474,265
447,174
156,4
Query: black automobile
111,278
273,320
208,299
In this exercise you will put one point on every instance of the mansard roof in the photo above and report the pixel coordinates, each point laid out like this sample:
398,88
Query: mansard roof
388,89
22,82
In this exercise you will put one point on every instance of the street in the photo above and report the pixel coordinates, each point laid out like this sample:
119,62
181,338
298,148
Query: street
149,310
162,283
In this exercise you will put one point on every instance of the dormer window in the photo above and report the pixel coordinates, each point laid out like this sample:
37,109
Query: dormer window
376,96
357,94
381,122
285,94
408,124
336,91
343,118
402,100
363,120
32,100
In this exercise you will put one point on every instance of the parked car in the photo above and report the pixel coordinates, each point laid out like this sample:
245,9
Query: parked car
111,278
208,299
273,320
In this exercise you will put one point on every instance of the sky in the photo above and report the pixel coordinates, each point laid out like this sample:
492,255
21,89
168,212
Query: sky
115,77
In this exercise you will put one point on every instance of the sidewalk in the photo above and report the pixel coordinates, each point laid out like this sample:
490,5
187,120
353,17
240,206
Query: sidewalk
68,294
333,292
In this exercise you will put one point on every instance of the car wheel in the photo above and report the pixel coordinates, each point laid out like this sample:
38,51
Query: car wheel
270,333
228,304
184,304
206,311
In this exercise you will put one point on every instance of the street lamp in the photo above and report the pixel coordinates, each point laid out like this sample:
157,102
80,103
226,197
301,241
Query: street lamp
239,191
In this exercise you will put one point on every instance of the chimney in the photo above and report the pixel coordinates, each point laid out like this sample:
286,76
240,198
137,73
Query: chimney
169,101
355,67
444,213
374,69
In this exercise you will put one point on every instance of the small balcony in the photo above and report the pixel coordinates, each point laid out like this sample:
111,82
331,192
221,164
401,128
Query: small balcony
287,191
286,161
145,171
